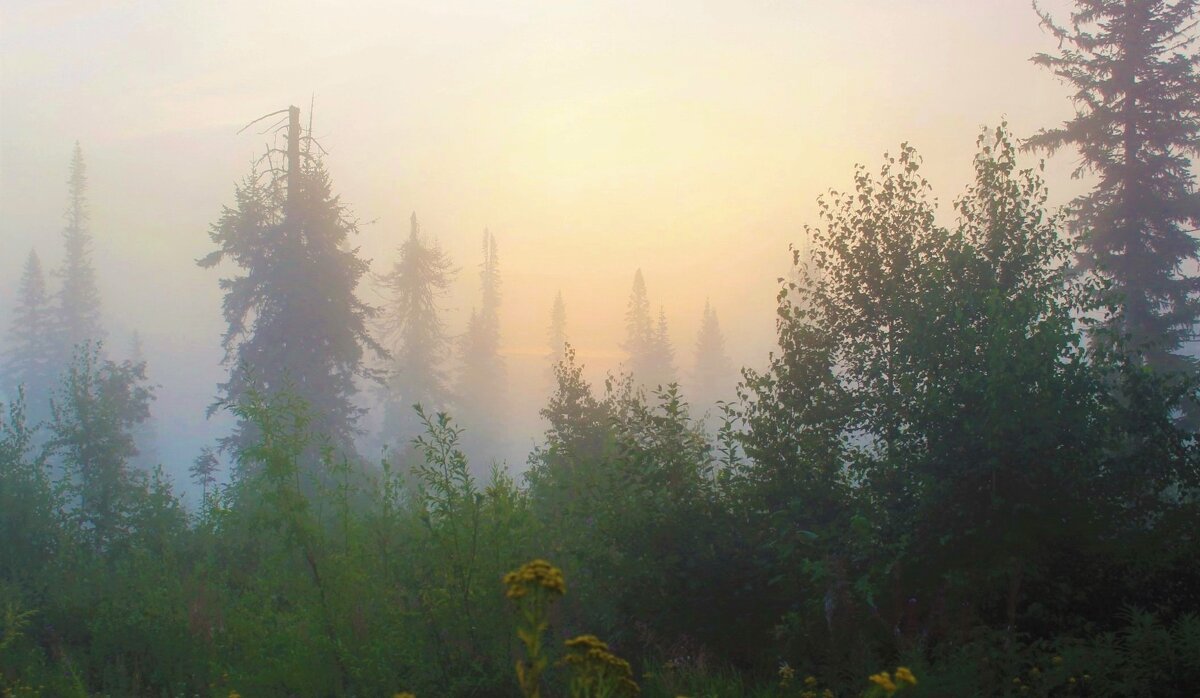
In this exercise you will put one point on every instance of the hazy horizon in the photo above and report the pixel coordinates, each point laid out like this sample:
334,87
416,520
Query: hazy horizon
688,140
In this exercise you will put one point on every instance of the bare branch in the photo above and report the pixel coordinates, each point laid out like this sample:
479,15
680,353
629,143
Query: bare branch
264,116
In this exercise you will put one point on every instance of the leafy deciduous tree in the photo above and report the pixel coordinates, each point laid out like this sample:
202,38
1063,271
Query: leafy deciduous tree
95,411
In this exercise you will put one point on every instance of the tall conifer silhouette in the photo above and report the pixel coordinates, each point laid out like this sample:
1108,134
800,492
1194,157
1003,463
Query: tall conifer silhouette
30,349
1132,65
414,334
78,302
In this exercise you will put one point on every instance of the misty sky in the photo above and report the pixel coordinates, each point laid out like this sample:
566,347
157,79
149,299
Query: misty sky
690,139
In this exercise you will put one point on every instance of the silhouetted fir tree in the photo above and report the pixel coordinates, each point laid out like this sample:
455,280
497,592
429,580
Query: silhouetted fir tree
558,328
28,359
651,356
713,377
203,472
639,328
295,323
481,390
1137,125
78,307
660,361
415,335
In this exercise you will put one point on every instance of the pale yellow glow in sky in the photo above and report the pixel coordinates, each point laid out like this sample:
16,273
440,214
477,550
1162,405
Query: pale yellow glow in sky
689,139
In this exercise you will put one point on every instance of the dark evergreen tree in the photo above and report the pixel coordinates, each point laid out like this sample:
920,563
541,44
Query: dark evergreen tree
78,308
1137,126
30,351
481,388
713,377
203,471
295,323
95,410
415,335
558,329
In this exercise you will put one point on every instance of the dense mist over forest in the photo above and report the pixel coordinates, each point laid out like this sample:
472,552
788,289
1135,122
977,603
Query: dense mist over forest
592,141
598,350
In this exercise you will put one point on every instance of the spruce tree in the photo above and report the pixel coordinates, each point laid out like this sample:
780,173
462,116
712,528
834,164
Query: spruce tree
1137,125
29,354
203,472
78,307
414,334
295,323
660,361
558,329
482,381
639,328
713,377
651,358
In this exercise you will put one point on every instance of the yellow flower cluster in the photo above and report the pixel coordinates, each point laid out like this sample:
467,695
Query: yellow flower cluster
586,642
890,683
884,681
405,695
534,575
597,669
786,674
812,689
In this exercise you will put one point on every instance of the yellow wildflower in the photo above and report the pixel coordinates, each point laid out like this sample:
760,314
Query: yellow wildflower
810,681
595,667
884,680
534,575
586,642
903,675
786,674
404,695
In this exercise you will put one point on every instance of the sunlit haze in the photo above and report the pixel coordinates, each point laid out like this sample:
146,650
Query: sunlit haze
687,139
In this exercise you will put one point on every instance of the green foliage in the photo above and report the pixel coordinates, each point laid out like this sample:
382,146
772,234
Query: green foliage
94,412
934,471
